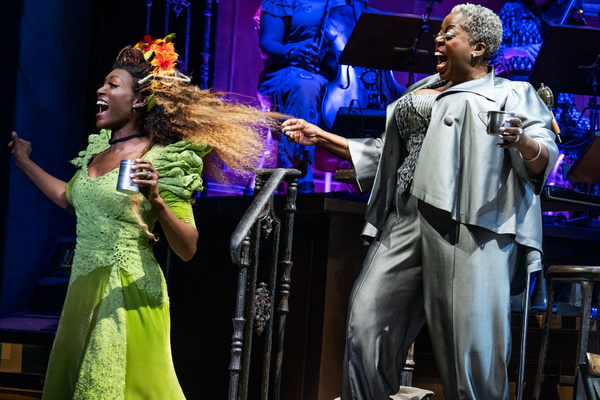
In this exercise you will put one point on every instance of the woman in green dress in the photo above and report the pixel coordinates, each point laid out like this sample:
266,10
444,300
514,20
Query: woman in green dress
113,337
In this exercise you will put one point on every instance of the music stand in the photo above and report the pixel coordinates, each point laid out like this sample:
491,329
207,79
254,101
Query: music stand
564,49
563,65
385,41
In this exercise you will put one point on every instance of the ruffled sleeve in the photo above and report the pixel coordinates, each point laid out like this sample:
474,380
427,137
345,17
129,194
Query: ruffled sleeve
179,166
278,8
97,143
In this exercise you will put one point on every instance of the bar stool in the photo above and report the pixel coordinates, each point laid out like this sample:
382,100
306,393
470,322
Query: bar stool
590,374
586,276
533,262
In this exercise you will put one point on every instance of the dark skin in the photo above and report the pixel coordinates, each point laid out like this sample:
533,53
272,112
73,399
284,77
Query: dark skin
119,113
459,61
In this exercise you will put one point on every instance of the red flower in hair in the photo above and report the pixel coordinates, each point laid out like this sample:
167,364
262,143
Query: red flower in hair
164,62
146,46
163,51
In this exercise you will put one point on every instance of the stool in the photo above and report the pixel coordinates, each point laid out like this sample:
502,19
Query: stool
586,276
590,376
533,263
524,322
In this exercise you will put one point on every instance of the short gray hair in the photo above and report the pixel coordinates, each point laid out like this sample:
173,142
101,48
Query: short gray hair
482,25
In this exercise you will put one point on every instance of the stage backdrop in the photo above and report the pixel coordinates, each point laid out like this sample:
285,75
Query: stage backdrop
46,107
238,63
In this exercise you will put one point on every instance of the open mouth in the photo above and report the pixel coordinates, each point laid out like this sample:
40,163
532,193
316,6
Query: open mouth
102,107
442,60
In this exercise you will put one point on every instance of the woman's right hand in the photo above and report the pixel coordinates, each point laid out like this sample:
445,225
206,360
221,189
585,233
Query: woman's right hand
52,187
21,149
299,131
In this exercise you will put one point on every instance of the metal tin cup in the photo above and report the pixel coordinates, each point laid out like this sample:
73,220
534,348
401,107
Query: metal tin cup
125,184
496,120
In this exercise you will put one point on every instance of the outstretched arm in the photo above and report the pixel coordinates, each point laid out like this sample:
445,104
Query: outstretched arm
302,132
52,187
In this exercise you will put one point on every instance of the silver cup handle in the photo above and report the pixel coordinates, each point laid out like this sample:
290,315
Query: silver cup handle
482,120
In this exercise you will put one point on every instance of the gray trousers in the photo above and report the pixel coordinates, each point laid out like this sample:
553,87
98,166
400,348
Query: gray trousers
423,266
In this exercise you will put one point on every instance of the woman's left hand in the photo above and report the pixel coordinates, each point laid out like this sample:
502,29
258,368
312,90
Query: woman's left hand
147,177
513,137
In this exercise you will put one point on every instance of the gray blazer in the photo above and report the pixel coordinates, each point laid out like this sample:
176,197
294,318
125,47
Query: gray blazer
460,169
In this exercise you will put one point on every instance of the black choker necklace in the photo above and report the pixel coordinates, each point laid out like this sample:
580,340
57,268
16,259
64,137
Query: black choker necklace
111,142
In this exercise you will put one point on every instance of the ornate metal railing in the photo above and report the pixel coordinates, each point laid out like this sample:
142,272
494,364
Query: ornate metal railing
177,6
255,304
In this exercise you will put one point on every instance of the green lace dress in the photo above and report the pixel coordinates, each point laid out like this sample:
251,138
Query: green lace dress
113,339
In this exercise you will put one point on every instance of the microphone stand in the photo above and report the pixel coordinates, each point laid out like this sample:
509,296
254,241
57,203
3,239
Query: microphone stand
412,51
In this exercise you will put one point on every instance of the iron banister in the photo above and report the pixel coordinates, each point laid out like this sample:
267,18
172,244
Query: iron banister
261,200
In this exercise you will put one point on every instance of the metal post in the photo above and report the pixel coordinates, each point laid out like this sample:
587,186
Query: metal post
539,379
204,66
284,287
525,316
235,366
255,306
148,7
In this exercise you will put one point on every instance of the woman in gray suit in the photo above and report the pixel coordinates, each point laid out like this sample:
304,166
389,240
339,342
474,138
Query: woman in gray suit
451,211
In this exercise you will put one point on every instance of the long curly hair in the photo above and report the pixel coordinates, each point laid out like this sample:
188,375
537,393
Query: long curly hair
235,132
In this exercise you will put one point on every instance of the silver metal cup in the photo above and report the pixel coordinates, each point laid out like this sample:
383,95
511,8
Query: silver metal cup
124,183
496,120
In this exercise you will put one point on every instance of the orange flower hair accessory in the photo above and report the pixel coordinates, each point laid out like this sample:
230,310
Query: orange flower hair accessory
161,54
